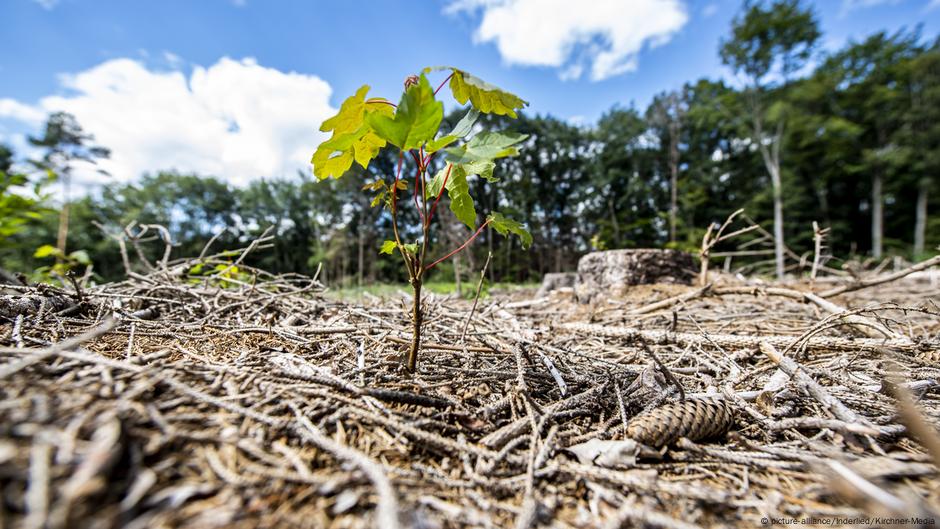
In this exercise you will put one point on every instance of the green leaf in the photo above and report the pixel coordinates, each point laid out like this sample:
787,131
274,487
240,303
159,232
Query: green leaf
352,140
374,186
325,165
388,247
46,250
458,190
505,226
367,147
439,143
484,96
434,185
465,125
461,130
411,248
416,119
81,257
485,147
460,201
484,169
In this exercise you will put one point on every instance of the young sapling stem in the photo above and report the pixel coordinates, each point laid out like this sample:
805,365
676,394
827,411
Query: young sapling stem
362,127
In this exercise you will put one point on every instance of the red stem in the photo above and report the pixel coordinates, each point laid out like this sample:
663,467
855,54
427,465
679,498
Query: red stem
439,193
462,246
416,158
442,84
415,195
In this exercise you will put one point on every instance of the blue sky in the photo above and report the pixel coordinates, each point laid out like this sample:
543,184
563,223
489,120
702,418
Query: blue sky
238,87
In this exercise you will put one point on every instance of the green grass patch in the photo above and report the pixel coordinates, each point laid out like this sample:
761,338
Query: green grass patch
388,290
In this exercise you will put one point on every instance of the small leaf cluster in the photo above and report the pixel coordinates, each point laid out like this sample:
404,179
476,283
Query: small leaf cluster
17,208
364,125
224,274
65,262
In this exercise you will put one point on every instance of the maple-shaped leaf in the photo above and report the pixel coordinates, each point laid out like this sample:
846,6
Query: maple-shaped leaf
485,147
458,191
461,130
352,139
374,186
484,96
505,226
483,168
416,119
388,247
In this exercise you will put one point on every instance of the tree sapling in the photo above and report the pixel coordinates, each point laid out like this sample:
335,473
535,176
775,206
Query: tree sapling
364,126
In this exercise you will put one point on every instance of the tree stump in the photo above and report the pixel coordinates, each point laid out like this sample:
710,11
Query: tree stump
555,281
15,305
612,272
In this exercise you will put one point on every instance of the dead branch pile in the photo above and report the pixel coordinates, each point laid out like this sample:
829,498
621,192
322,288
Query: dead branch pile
161,402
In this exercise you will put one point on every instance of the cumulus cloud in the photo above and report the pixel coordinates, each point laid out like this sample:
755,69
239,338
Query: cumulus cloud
608,35
236,119
10,108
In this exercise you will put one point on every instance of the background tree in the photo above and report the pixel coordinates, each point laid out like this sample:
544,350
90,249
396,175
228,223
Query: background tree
866,112
919,136
628,191
770,43
666,115
65,143
21,201
873,97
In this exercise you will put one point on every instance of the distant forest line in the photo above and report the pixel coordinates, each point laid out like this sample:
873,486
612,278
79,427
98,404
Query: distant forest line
856,134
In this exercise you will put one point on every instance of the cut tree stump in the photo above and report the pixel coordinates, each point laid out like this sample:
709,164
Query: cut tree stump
15,305
556,280
611,272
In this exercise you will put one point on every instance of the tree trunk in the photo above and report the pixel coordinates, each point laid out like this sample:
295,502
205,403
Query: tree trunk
877,215
771,157
778,219
920,223
63,233
673,180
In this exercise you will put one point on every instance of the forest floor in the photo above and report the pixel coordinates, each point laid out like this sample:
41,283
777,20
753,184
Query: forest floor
156,402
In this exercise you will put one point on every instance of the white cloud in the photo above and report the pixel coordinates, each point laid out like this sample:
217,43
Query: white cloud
607,34
13,109
934,4
235,119
709,10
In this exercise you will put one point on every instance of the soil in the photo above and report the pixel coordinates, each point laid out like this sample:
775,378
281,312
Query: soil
163,402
